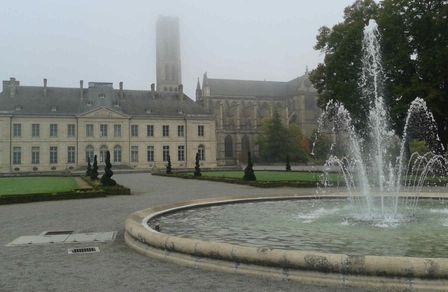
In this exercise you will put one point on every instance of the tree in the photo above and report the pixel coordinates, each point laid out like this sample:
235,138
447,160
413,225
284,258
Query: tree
106,179
249,170
415,59
197,167
89,167
168,166
94,173
288,164
276,140
337,77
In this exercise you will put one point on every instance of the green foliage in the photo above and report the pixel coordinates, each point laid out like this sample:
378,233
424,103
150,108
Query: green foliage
415,58
94,172
276,140
418,146
197,167
249,173
106,179
321,146
169,170
288,164
89,167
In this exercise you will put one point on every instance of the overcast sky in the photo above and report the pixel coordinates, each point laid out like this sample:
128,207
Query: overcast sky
109,40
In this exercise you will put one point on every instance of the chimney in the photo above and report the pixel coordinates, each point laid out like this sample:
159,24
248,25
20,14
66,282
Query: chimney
153,90
121,89
81,88
13,86
45,87
181,92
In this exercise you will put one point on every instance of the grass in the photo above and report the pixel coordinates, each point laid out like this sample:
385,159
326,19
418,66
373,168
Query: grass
36,185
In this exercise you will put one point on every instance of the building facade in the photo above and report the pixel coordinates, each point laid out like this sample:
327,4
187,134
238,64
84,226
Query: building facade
240,107
55,129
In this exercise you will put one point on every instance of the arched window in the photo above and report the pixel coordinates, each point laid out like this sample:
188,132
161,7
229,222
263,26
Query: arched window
201,152
89,153
117,153
103,150
228,146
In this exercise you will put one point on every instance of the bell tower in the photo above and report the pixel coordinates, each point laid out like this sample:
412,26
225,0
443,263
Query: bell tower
169,74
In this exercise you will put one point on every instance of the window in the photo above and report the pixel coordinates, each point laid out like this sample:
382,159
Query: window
165,130
181,152
53,130
166,152
35,155
35,130
117,130
71,154
150,153
134,153
89,153
201,130
117,153
103,130
228,147
17,155
17,130
89,130
71,130
201,152
150,130
180,130
103,151
134,130
53,154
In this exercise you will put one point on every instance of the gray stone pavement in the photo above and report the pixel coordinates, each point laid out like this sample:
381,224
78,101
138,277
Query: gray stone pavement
116,267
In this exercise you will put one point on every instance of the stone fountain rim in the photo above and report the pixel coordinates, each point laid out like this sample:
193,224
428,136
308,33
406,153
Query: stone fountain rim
326,267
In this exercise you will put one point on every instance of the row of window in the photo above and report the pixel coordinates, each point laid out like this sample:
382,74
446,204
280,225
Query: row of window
71,154
135,153
35,155
35,130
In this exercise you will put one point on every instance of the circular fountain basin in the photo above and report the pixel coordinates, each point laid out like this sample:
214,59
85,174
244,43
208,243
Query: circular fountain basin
298,238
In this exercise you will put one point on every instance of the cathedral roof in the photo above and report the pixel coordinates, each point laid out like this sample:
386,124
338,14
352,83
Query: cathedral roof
61,101
253,88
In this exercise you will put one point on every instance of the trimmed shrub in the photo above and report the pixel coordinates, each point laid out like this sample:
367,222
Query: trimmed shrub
94,172
197,167
249,170
106,179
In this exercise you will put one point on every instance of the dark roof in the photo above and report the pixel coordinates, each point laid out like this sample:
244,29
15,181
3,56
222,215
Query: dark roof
230,87
30,100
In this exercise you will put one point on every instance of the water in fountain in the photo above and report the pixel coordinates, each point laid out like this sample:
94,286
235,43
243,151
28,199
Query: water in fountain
382,185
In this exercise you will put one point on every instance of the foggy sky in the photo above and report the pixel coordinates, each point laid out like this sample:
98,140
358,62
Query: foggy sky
112,41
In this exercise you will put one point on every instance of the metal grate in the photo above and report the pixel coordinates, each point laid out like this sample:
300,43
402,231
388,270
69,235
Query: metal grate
83,250
58,232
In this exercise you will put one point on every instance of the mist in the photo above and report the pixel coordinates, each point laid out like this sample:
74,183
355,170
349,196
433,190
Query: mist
113,41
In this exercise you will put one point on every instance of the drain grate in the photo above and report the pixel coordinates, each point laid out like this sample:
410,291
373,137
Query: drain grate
81,250
57,232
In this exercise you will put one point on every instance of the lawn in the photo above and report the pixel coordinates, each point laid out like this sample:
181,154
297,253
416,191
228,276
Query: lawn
272,176
34,185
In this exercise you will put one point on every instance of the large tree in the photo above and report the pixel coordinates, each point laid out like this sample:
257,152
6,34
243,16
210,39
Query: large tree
415,58
276,141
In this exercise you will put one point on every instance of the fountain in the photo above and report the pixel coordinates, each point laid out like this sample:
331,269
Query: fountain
373,175
386,228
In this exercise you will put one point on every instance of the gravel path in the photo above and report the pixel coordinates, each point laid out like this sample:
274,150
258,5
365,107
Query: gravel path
116,267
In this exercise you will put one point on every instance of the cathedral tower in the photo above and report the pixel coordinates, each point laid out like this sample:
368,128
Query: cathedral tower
169,75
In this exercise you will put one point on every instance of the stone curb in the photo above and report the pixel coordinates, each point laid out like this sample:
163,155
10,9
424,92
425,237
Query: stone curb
429,271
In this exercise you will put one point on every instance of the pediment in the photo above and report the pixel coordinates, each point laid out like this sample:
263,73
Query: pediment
103,113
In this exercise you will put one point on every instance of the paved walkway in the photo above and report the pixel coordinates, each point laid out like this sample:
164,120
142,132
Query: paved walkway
116,267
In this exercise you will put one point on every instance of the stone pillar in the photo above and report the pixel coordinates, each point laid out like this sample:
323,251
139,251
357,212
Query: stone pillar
255,109
238,117
220,115
81,89
45,87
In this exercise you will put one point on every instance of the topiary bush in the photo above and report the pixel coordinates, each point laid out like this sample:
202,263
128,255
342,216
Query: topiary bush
249,170
288,164
94,172
106,179
169,170
197,168
89,167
